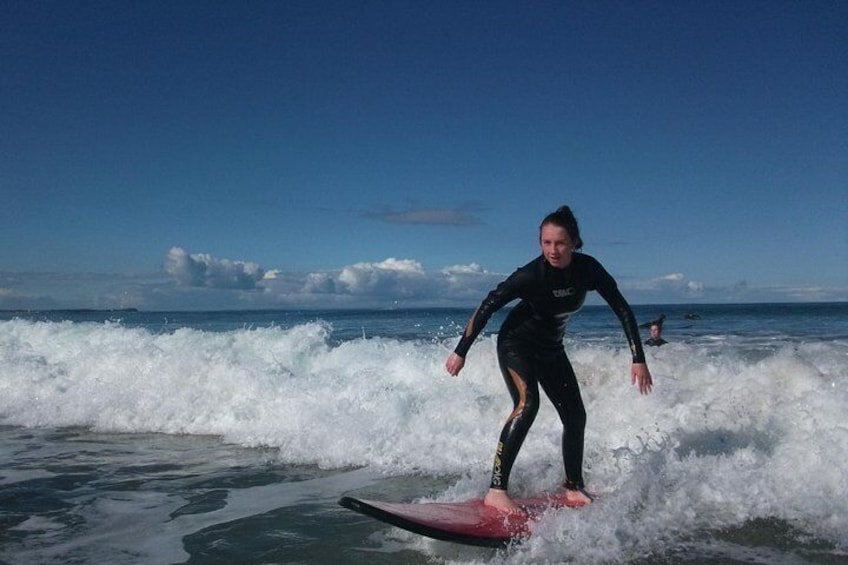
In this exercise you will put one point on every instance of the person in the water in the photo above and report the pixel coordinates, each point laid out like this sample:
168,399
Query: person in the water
531,353
656,338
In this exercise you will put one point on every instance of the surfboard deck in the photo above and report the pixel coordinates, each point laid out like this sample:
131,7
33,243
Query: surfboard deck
469,522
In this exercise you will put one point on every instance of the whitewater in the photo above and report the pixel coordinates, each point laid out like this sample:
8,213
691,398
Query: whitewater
229,437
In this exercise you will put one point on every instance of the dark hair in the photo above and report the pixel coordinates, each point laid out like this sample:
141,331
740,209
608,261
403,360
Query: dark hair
564,218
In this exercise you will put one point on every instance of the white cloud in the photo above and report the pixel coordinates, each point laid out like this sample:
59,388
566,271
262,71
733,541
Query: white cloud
470,269
202,282
319,283
393,276
666,288
695,287
203,270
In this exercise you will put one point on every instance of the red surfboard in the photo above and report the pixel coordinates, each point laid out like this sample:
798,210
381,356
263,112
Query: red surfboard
469,522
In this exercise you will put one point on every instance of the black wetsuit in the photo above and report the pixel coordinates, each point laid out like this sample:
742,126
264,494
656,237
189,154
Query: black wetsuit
531,351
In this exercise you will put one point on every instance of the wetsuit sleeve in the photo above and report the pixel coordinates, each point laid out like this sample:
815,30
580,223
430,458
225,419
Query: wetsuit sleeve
503,294
608,289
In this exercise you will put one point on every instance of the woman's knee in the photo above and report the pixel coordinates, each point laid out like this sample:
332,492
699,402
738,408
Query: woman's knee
530,407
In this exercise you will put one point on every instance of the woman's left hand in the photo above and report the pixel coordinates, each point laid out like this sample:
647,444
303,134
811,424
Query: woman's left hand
454,364
641,375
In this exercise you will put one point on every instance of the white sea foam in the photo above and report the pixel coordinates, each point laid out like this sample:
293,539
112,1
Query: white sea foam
725,439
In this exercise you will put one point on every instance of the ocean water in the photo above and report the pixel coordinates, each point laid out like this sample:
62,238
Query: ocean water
228,437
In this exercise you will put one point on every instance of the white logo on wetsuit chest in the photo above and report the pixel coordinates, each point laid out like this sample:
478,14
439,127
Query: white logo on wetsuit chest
563,292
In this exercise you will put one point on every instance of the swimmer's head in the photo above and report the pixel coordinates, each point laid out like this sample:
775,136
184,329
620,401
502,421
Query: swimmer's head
564,218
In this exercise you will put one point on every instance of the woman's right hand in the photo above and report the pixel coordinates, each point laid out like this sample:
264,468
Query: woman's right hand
454,364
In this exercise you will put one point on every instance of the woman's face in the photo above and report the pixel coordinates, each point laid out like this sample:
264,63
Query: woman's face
556,245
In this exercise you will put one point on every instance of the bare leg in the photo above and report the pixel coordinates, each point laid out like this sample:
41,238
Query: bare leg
497,498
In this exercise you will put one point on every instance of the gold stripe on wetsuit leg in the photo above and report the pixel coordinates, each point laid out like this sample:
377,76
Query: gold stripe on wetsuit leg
497,468
521,386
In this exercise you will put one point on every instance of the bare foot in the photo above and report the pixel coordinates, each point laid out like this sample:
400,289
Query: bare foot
578,497
501,501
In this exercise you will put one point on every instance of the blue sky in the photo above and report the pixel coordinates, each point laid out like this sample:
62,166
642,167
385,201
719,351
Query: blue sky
247,154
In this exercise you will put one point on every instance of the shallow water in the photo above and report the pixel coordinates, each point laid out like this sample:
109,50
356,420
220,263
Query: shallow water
216,441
